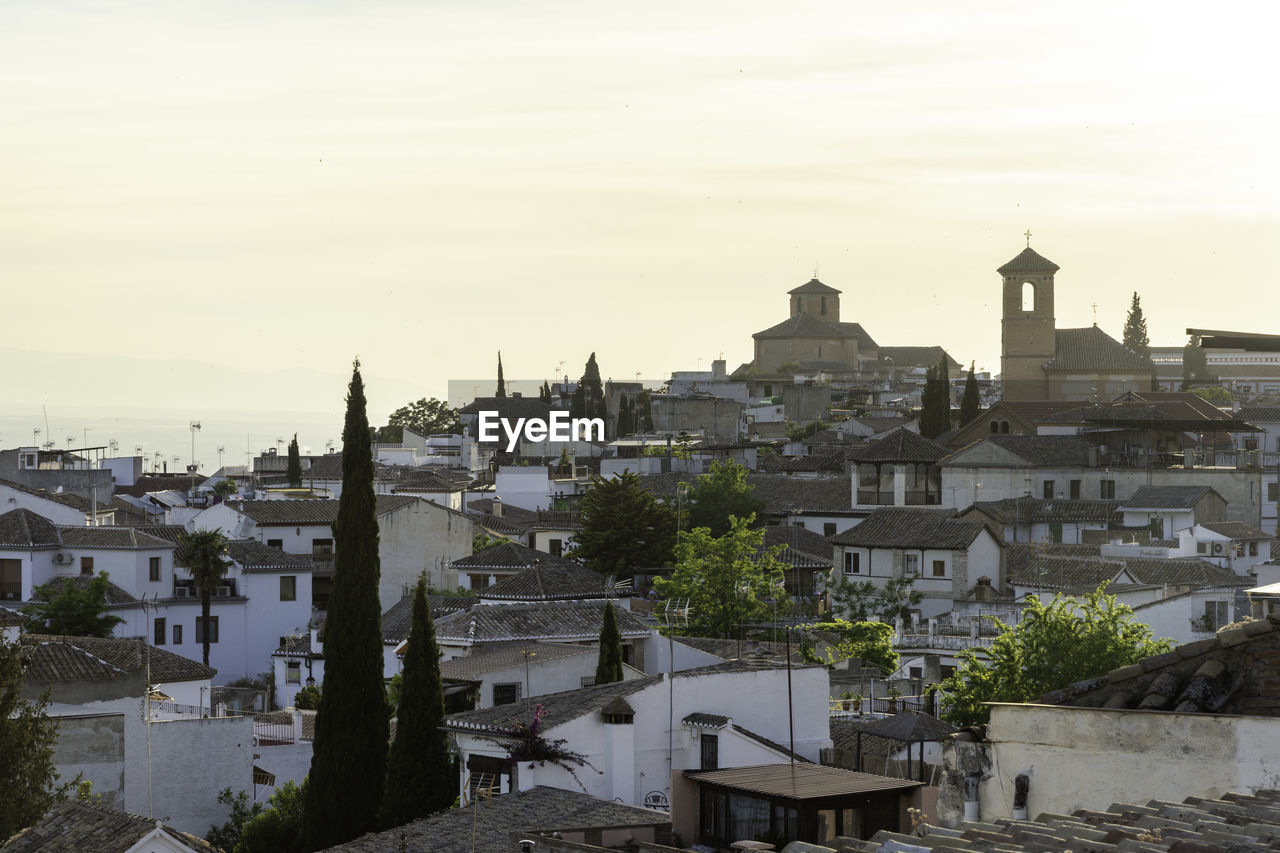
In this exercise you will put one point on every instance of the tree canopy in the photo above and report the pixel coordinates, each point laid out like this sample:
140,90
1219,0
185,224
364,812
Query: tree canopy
935,400
609,661
623,527
27,738
870,642
294,471
420,775
1195,367
1053,645
1135,328
427,416
588,398
349,755
970,402
860,600
502,385
204,553
63,606
722,492
728,580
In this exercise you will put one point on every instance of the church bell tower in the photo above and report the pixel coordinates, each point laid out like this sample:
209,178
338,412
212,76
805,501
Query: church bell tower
1027,329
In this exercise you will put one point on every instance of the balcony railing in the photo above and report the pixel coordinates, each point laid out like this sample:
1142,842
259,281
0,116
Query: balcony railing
873,497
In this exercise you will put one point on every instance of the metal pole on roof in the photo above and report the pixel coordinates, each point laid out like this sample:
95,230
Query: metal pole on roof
791,719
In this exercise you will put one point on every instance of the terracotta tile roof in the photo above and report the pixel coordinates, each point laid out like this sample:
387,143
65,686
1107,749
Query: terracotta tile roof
566,581
1260,414
493,823
809,326
558,708
901,445
1091,348
167,532
813,286
799,781
398,620
508,407
1028,261
327,467
1236,530
122,538
69,499
894,527
254,556
554,621
497,658
1233,822
781,494
1215,675
159,483
1040,511
309,511
801,548
128,655
1166,497
75,826
508,556
26,529
1037,451
1040,568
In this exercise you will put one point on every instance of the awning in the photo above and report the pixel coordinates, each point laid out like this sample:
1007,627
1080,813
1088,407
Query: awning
262,777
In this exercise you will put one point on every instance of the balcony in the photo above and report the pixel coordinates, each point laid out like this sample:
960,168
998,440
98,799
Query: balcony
872,497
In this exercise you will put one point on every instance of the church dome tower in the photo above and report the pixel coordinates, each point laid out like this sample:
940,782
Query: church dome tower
1028,332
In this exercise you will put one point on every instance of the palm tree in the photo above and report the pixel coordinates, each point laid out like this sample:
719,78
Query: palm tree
203,552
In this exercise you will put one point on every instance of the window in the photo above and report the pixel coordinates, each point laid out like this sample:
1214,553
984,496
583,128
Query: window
1272,490
587,681
275,543
479,581
1055,531
852,563
1202,547
289,588
1107,489
1215,614
86,565
911,564
710,752
155,568
160,632
1156,527
10,580
293,672
1004,426
1028,296
822,305
210,630
939,568
1075,490
1048,490
177,635
555,547
828,528
1253,549
322,549
505,694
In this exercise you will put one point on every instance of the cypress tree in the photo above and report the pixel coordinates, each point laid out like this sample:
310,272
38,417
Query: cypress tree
625,425
1135,328
609,664
420,774
502,386
349,756
592,390
294,471
969,403
544,393
944,394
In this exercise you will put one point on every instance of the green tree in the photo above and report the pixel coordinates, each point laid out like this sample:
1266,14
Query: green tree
626,418
1065,641
623,527
420,773
870,642
858,601
27,739
278,828
294,471
204,554
544,393
427,416
1195,367
483,542
935,400
502,385
61,606
970,402
227,837
728,580
349,755
1135,329
225,489
1215,394
719,494
643,405
609,663
588,398
308,698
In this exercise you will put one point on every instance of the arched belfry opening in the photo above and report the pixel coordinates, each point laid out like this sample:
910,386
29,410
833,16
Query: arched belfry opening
1028,296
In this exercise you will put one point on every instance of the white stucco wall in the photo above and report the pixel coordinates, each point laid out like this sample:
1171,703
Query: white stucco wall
1088,758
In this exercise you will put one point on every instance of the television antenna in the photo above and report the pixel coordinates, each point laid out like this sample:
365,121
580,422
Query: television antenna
221,449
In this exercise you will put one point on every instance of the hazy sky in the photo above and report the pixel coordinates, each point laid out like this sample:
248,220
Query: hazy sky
284,185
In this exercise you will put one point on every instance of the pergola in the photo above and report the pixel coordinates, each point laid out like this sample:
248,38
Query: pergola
909,727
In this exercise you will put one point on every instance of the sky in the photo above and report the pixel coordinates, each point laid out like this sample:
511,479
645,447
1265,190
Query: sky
217,206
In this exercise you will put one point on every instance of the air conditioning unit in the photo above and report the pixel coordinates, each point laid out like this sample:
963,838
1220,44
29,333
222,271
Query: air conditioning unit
224,592
182,592
62,558
1219,548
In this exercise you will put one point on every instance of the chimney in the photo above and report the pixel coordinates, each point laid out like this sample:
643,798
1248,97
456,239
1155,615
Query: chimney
497,507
